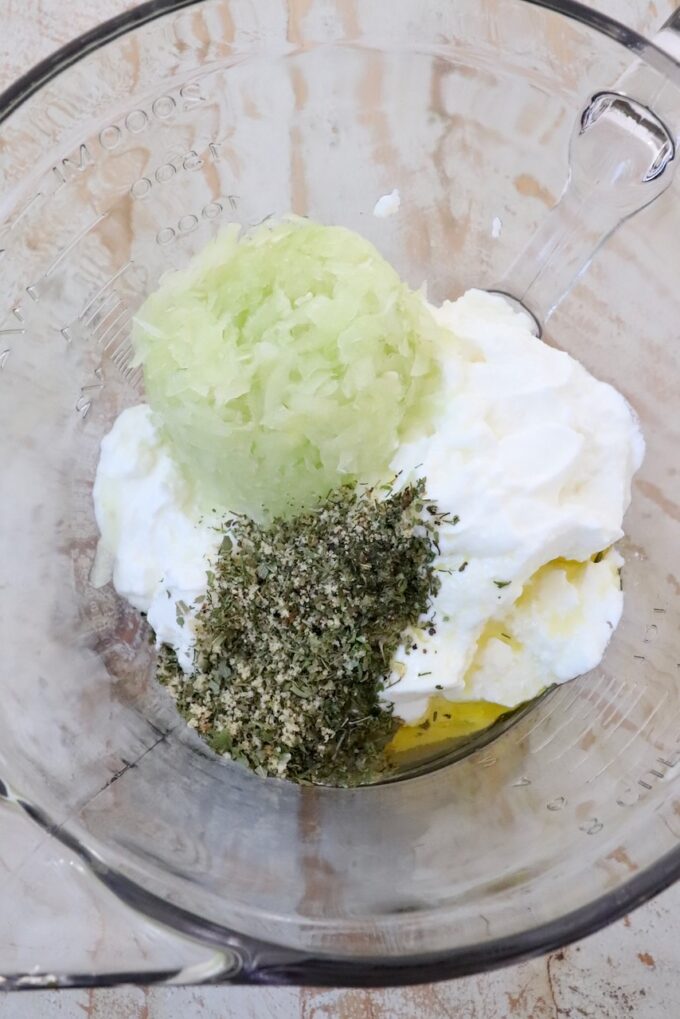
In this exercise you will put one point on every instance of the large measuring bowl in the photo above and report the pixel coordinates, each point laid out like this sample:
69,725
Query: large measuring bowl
119,159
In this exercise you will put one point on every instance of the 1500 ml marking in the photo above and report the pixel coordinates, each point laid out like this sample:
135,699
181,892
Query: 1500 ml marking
188,162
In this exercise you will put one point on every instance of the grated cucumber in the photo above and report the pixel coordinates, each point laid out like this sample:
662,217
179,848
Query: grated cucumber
285,363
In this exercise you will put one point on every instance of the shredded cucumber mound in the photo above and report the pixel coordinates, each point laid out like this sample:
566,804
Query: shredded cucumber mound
285,363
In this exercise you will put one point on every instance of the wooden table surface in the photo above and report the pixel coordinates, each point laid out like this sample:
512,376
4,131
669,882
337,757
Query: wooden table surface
630,969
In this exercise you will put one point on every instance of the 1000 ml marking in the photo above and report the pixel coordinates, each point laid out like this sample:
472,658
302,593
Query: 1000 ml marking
189,222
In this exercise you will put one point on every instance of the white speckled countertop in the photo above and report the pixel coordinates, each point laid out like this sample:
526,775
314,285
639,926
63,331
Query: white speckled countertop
630,969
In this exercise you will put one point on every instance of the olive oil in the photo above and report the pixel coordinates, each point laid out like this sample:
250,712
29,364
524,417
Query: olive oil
445,721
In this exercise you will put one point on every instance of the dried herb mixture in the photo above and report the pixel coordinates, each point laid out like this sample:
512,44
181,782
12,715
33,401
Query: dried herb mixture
298,629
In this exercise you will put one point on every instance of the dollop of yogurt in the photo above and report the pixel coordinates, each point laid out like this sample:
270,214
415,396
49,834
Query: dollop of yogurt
157,542
531,458
534,458
387,205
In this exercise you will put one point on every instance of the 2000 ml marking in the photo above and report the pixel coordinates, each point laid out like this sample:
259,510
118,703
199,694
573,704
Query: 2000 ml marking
163,108
71,167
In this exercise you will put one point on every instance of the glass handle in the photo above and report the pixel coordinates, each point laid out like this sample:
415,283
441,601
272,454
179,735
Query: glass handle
621,158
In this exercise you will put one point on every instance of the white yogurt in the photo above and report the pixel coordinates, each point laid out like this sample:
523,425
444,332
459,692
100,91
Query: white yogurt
531,453
387,205
156,543
558,629
535,457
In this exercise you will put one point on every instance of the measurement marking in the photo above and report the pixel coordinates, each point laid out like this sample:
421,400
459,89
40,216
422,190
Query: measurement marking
573,720
109,317
583,760
20,215
618,704
112,279
581,732
622,750
603,694
601,702
99,310
72,244
12,332
556,707
109,346
122,352
578,696
571,746
4,357
120,357
624,717
122,316
132,374
123,366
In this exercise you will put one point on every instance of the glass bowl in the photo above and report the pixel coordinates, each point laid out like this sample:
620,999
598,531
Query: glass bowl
119,158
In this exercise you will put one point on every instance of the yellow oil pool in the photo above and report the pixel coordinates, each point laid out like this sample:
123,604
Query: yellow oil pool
444,722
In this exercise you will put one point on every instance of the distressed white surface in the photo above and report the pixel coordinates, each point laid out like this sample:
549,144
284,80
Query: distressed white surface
631,969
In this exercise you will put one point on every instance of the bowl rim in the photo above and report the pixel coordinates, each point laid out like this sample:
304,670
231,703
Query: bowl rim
264,963
88,42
